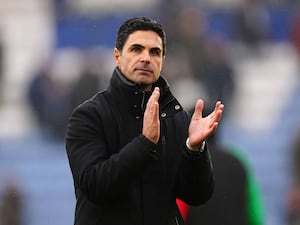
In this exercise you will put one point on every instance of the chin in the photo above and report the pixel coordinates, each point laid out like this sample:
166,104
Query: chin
144,80
144,84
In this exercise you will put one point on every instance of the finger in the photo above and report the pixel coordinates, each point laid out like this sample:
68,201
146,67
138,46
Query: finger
156,110
219,105
217,113
218,116
156,94
153,98
198,109
156,104
216,119
214,126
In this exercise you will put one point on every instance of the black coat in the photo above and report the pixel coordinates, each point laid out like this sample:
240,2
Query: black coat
122,178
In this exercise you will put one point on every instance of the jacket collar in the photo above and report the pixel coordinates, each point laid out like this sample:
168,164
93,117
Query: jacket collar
119,84
161,82
130,95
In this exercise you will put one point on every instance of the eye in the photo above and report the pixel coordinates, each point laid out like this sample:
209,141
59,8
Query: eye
136,49
155,52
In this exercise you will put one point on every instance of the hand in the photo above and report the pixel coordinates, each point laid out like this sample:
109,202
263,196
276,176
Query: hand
151,124
201,128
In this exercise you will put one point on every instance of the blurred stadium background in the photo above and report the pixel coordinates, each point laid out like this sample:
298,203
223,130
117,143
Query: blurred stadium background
65,38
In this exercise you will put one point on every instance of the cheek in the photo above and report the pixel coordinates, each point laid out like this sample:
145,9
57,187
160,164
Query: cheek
128,66
124,63
159,65
129,62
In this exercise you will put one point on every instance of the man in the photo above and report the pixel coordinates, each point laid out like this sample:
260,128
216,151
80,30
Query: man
132,149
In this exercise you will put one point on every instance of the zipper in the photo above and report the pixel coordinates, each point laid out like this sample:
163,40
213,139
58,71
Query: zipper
143,101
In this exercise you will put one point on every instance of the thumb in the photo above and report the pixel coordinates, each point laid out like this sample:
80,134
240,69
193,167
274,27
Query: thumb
198,109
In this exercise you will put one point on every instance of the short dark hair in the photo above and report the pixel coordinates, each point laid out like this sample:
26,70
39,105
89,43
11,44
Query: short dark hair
139,23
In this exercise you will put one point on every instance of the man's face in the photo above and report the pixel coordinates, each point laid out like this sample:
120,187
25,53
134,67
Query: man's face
141,58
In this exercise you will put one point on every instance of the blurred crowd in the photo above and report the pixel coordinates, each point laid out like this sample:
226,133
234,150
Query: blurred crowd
196,57
52,96
205,40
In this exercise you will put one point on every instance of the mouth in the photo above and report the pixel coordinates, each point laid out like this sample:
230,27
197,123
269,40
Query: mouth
144,70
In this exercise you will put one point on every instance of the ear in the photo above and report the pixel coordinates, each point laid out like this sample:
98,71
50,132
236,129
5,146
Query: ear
117,55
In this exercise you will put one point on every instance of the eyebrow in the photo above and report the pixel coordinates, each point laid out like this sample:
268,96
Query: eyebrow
137,45
143,47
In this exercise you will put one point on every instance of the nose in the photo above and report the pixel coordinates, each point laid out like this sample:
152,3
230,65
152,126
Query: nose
145,57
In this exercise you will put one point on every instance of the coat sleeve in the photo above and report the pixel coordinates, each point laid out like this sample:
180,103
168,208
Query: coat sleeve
195,183
99,174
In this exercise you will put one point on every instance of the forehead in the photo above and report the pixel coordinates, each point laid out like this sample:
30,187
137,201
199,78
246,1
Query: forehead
144,38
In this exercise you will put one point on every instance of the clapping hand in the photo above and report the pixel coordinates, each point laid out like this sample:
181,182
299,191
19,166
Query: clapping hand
151,124
202,127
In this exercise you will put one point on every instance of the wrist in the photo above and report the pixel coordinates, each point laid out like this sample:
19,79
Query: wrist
197,149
